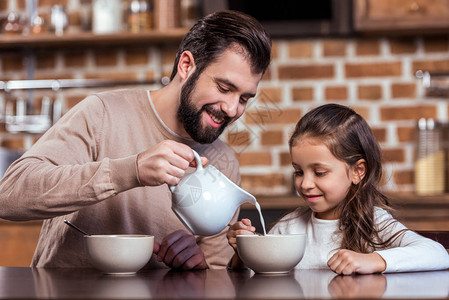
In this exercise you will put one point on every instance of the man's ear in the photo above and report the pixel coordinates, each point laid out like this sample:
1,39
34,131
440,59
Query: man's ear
186,65
358,171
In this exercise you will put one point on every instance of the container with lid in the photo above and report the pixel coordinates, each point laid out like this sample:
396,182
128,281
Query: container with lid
430,158
134,16
107,16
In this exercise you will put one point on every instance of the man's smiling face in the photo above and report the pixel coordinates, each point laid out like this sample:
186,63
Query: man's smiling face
212,100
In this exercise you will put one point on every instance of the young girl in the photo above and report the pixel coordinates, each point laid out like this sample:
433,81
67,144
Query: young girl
337,169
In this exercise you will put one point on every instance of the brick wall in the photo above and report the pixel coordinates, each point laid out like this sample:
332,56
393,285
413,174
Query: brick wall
374,75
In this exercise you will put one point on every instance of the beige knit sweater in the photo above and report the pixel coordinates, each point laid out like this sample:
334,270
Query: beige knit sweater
84,169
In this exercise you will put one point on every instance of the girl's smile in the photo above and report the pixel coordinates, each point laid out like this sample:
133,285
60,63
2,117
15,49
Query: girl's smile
312,198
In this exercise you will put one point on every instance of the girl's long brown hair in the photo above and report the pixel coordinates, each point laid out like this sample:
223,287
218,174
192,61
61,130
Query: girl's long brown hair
349,138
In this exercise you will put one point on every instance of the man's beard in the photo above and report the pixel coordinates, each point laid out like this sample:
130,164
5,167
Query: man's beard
190,117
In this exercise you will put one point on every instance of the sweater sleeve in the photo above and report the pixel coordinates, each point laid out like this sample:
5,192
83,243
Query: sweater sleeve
60,173
411,251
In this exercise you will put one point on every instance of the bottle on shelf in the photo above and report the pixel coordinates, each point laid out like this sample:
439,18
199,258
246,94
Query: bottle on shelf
13,24
145,15
140,16
134,16
58,19
430,158
107,16
38,25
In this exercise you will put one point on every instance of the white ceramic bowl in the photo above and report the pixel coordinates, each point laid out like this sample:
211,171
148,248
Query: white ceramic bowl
271,253
119,254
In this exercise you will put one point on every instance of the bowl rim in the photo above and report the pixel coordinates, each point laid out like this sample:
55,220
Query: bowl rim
121,236
275,235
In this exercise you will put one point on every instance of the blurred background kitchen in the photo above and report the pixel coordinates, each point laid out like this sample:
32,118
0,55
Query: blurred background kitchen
387,59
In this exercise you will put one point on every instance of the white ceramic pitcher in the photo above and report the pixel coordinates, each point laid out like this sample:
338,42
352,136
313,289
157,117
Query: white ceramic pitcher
206,200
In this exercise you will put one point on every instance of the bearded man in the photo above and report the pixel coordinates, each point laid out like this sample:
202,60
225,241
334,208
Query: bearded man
107,163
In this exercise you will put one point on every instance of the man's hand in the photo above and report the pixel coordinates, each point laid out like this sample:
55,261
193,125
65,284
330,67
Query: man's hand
179,250
347,262
165,163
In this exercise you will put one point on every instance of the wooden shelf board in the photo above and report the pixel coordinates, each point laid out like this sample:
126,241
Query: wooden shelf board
91,39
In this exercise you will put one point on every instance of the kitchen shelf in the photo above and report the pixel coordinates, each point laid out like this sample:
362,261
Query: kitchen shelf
401,17
49,40
58,84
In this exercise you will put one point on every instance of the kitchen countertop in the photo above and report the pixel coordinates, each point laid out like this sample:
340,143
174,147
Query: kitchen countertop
39,283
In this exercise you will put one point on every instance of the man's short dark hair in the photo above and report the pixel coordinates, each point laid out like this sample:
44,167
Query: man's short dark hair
215,33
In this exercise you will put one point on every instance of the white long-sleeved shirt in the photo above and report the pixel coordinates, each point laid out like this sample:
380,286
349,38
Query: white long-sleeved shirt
411,252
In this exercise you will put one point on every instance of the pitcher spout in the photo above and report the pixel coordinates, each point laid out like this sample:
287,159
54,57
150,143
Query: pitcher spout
247,198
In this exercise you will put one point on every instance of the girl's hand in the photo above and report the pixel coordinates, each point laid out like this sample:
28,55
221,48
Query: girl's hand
241,227
347,262
371,286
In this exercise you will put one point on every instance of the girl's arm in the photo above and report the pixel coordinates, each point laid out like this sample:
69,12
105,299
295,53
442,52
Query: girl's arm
411,251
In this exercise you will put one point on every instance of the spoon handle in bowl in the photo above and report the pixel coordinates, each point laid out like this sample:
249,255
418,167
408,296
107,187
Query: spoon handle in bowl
75,227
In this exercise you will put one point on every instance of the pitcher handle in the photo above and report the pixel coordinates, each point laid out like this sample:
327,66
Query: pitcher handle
199,167
199,164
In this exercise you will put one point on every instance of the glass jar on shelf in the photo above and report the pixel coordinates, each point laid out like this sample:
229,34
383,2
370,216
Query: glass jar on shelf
38,25
134,16
107,16
13,24
145,15
430,177
58,19
140,16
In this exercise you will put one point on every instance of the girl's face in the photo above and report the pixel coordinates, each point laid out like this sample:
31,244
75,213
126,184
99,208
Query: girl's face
321,179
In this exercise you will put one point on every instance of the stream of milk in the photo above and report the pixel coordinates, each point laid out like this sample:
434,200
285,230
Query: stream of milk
262,221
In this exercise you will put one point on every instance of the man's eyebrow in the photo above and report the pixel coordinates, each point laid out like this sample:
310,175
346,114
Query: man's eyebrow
233,86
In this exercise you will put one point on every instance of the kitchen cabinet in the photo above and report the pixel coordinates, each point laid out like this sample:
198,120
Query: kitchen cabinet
18,241
401,16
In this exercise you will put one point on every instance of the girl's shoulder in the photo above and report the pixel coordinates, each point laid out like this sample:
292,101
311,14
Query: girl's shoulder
379,211
381,214
294,222
386,222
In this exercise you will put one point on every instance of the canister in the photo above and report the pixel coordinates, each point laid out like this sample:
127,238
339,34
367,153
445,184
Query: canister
430,158
107,16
